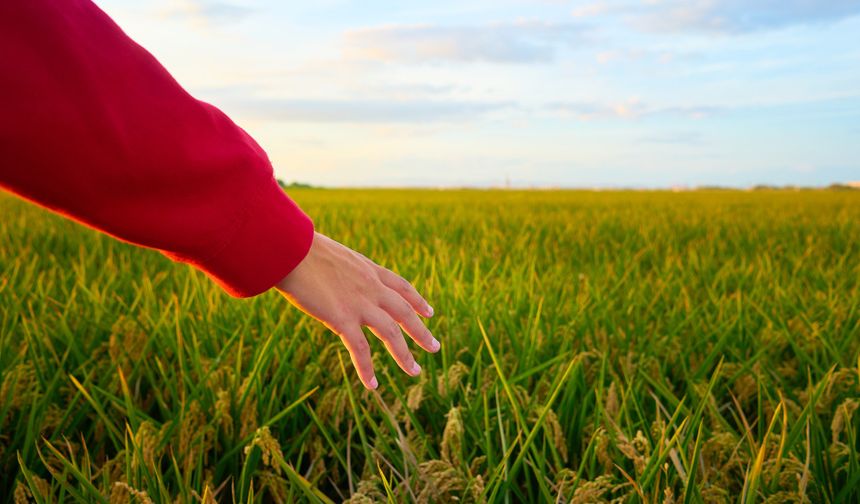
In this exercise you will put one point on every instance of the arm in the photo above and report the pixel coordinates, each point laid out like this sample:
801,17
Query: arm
94,128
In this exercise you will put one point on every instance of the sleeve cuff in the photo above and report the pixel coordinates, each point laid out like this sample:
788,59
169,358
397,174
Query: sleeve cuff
273,238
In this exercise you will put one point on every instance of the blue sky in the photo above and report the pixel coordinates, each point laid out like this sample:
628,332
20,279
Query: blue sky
614,93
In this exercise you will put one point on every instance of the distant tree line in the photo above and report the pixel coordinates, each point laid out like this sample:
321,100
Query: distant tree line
295,185
831,187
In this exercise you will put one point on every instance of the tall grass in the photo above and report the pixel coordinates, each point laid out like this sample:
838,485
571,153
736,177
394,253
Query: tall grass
635,347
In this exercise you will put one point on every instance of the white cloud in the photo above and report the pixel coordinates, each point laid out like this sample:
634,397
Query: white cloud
359,111
720,16
738,16
205,13
632,108
520,42
592,9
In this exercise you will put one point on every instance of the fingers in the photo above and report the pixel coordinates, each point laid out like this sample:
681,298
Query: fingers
409,321
359,351
402,286
387,330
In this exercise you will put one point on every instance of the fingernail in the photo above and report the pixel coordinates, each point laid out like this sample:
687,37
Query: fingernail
429,311
415,368
434,345
374,383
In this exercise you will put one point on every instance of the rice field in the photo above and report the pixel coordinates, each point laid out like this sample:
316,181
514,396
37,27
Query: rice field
618,347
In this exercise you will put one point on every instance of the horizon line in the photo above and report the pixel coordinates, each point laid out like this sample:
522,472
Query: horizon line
848,186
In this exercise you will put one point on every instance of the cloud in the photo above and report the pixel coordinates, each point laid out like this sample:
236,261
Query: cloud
409,91
738,16
640,55
205,13
721,16
359,111
520,42
629,109
676,138
592,9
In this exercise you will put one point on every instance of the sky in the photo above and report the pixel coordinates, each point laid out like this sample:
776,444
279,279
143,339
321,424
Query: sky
541,93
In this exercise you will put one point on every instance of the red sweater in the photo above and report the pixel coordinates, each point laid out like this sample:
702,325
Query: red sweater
94,128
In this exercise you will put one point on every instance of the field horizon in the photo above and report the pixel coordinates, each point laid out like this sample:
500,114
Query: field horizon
833,186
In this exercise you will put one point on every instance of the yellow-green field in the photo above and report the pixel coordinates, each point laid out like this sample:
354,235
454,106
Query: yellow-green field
635,347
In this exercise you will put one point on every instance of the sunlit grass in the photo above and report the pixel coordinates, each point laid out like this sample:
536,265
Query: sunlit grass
648,347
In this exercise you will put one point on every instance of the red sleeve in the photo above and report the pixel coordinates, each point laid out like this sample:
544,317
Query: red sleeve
93,127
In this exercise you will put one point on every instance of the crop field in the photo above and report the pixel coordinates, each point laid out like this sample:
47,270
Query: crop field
647,347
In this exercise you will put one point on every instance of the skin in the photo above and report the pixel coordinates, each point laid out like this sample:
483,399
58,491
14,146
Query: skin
345,291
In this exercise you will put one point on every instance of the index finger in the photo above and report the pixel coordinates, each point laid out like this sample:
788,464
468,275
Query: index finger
402,286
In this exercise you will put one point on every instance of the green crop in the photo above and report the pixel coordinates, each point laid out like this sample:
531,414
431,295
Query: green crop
596,346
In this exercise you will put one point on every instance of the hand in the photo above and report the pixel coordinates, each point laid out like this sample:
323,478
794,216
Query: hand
345,291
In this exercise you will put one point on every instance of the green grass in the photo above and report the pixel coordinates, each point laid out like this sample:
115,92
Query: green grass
647,347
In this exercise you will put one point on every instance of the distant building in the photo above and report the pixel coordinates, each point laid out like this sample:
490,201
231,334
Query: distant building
855,184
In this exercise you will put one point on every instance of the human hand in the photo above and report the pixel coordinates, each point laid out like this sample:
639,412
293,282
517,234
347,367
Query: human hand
345,291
